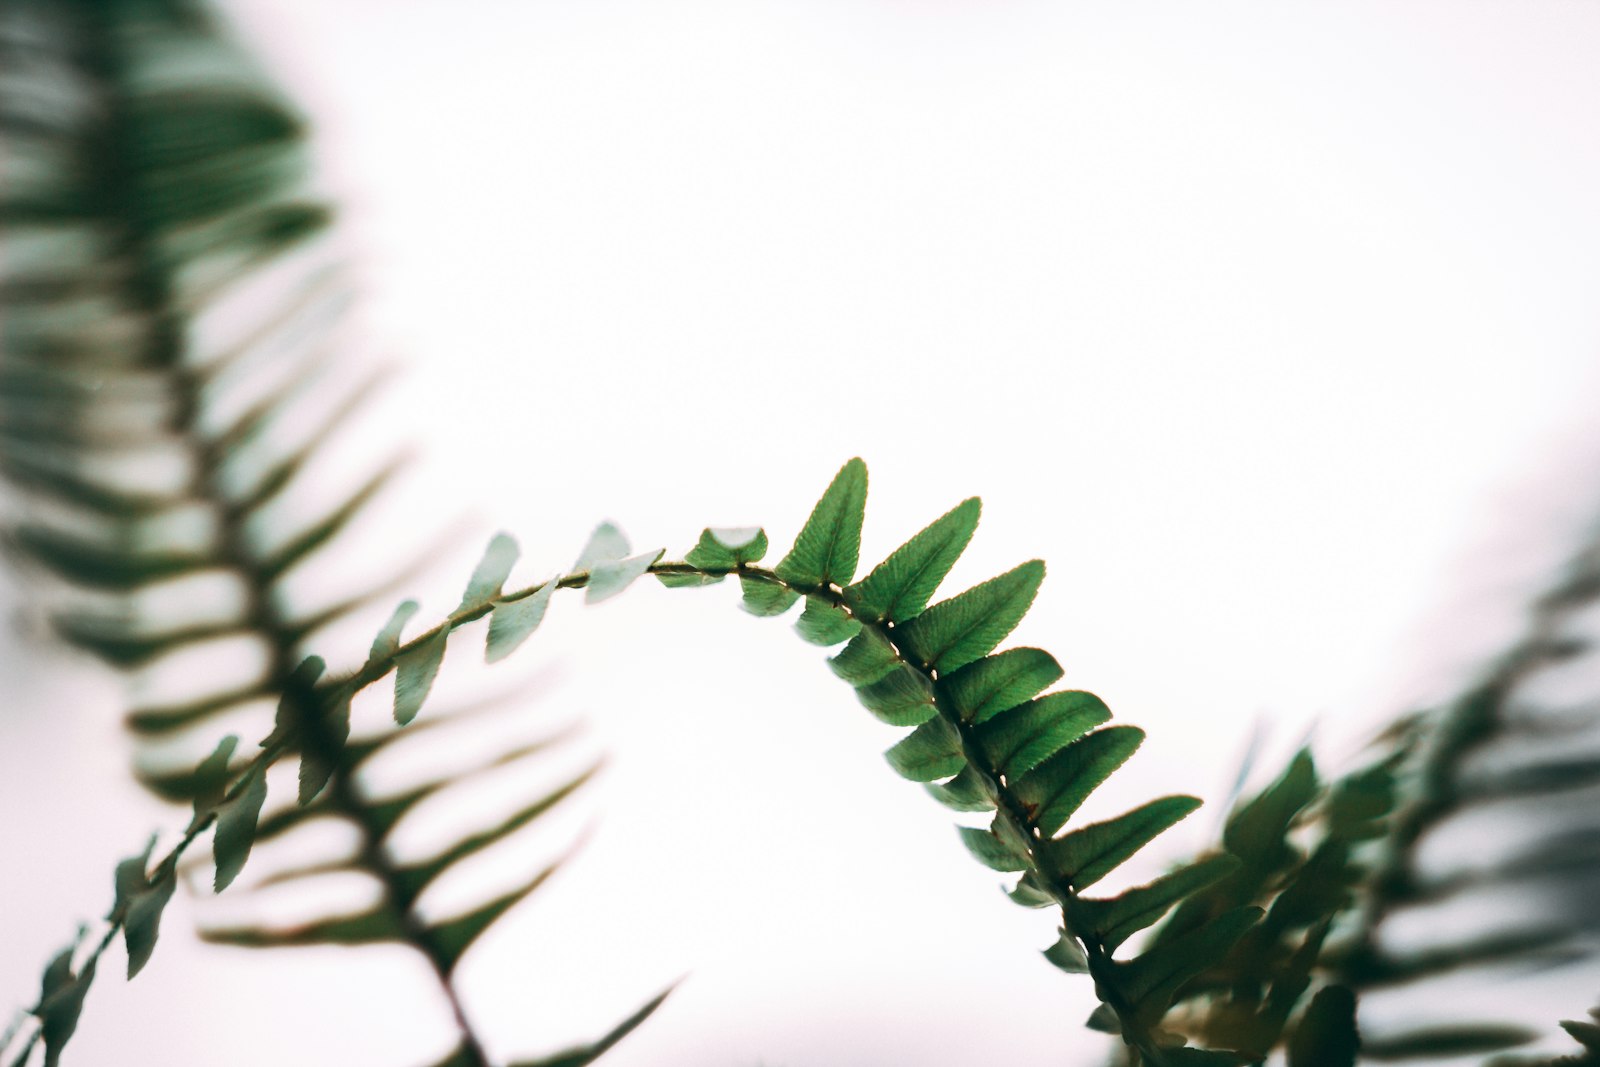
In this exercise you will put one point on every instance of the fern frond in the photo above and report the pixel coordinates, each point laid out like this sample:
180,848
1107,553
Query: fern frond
1246,938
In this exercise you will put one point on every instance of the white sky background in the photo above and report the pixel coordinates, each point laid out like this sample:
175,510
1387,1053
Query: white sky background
1271,328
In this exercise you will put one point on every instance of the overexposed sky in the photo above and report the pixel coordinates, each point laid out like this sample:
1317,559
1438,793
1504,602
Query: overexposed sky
1271,328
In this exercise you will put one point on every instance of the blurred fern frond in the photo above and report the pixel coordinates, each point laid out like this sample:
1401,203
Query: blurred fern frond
179,402
1492,865
176,366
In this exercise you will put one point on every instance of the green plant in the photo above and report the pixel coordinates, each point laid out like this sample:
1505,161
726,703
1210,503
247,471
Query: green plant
193,187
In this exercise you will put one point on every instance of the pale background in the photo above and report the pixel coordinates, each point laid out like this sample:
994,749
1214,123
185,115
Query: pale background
1272,328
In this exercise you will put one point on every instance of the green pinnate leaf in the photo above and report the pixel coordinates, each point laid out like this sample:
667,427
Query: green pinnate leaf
829,545
1358,803
968,626
605,544
1118,918
967,791
728,549
1018,740
1104,1019
1290,980
454,936
587,1054
414,674
1435,1042
1087,855
1586,1034
489,577
387,642
61,1003
903,697
1026,893
1067,954
236,827
990,851
1257,827
1149,982
373,927
1057,787
139,903
900,586
129,878
610,578
983,689
58,972
298,692
764,597
1017,836
867,658
674,580
1326,1035
930,752
420,875
825,623
142,923
316,768
513,622
211,776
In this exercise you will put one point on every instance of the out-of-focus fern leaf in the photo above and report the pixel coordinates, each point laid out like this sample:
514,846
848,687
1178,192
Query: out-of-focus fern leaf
1116,919
236,829
1287,850
587,1054
1327,1035
513,622
138,905
728,549
611,577
605,545
1499,791
1089,853
829,545
174,374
